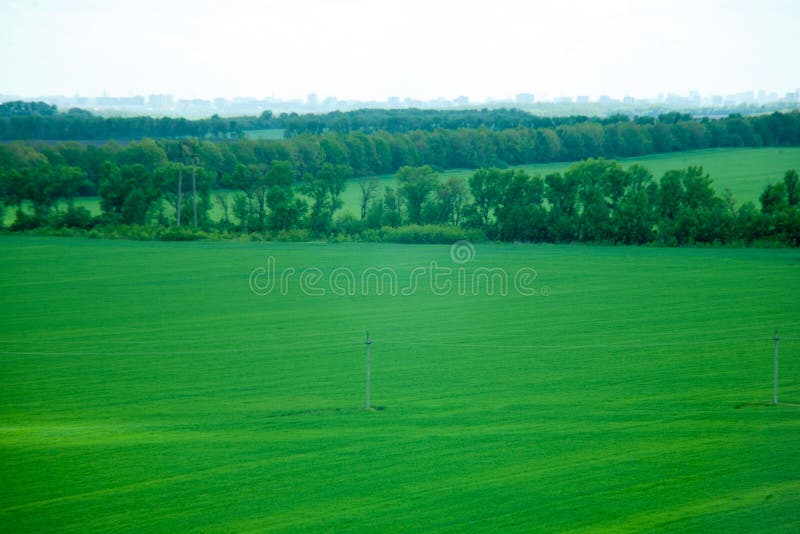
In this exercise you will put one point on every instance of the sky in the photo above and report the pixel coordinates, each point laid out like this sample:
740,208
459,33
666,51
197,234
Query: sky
373,49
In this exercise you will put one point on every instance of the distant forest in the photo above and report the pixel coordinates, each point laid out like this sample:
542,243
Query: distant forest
664,132
383,152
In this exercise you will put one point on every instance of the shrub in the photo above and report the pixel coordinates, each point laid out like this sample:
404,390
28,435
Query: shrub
24,221
347,224
74,217
295,234
181,234
430,234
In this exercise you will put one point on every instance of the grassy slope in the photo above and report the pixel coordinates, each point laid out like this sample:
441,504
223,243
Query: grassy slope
144,387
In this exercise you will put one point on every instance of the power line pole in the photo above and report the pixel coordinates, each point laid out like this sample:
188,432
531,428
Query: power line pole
180,190
775,392
369,346
194,188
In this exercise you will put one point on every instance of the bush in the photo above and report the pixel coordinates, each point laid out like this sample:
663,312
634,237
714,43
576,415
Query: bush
426,234
24,221
181,234
347,224
295,234
74,217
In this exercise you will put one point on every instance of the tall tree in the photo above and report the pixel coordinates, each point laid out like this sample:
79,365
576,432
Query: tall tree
285,208
368,188
487,186
416,183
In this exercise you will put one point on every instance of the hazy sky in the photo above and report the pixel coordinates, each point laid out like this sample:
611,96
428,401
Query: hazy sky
373,49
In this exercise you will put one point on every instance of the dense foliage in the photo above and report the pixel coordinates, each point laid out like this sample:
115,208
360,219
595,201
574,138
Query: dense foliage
594,201
295,184
37,120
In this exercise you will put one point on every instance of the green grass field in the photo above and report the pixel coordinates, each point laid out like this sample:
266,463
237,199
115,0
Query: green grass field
271,134
145,387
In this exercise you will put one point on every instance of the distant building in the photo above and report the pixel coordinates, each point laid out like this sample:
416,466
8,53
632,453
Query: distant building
122,101
582,99
160,101
525,98
312,99
462,101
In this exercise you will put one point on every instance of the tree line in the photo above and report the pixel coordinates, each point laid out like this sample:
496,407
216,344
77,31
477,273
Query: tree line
18,122
443,138
295,184
384,153
593,201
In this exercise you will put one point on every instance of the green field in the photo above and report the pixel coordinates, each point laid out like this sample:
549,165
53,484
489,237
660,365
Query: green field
270,134
145,387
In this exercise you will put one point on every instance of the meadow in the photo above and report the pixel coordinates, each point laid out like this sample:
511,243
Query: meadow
145,386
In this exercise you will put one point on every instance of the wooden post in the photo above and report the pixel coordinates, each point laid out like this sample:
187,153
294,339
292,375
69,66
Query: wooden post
775,392
369,346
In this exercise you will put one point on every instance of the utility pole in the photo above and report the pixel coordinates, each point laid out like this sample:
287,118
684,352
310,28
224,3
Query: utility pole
194,188
369,346
187,154
775,392
180,189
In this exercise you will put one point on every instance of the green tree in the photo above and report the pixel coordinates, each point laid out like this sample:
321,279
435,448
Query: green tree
325,190
368,188
487,186
392,204
416,183
128,193
285,209
790,180
520,213
774,198
451,196
561,193
146,153
68,181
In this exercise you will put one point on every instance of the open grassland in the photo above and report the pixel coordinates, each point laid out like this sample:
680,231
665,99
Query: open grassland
145,387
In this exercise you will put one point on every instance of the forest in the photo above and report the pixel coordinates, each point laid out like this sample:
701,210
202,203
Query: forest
295,184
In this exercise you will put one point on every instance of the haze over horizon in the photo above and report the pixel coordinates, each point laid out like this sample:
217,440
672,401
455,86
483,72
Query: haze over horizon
357,49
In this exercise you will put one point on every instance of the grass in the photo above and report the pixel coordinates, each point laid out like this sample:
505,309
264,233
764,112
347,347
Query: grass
143,386
269,133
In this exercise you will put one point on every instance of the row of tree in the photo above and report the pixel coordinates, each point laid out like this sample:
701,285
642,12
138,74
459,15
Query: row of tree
599,201
595,200
579,136
79,124
385,153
